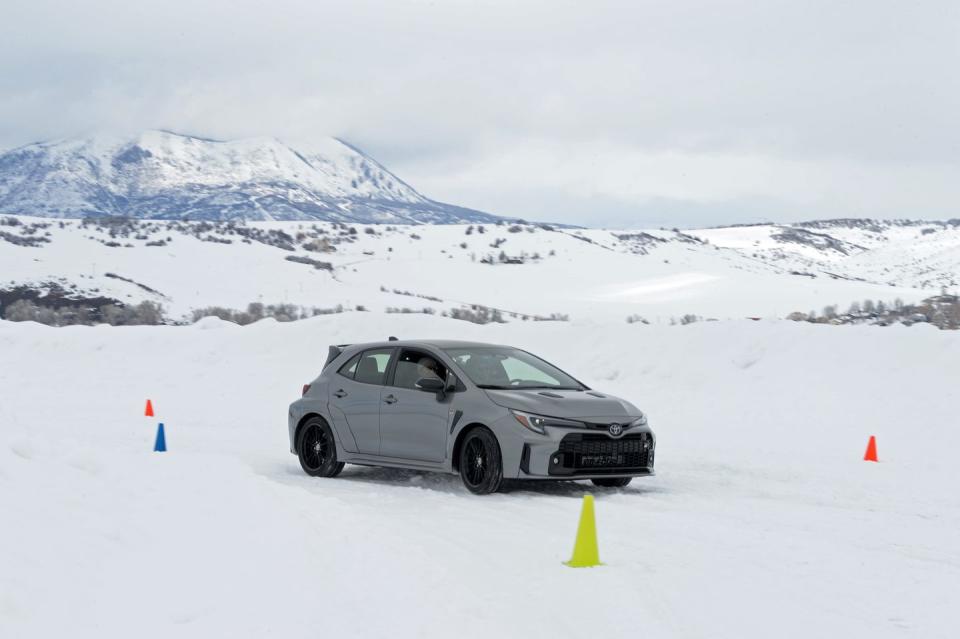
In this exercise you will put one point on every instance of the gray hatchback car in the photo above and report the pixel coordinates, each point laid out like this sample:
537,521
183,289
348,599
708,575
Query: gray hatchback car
484,411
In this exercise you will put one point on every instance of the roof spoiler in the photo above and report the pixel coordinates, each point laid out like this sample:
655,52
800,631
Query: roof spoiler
333,352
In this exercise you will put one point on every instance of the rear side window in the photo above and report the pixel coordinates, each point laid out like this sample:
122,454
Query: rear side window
372,365
348,369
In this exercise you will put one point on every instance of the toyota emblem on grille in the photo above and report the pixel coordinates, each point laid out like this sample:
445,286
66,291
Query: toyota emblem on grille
615,429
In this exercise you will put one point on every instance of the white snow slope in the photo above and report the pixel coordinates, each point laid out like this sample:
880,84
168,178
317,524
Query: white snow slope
762,520
581,273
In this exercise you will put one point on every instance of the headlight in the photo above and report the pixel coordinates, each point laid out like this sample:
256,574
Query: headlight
640,421
538,423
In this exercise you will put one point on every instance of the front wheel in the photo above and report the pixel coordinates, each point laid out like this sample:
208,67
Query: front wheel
481,467
316,449
612,482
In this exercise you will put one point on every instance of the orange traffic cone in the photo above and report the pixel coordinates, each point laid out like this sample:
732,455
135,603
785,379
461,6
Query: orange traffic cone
149,410
871,454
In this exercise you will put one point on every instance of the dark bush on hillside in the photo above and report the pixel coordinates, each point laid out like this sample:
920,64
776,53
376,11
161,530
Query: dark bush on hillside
257,311
426,310
19,240
476,314
323,266
144,313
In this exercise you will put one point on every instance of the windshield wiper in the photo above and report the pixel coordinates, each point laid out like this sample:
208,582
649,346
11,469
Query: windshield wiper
571,388
526,387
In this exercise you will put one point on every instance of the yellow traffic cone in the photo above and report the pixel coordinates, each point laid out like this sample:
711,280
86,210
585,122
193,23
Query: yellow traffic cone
585,552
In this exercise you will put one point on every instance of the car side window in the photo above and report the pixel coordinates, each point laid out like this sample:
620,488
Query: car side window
415,365
372,366
348,369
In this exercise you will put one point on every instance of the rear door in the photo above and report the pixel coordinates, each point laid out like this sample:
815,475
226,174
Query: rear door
413,424
355,396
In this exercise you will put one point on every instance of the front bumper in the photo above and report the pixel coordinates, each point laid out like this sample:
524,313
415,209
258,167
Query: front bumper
585,454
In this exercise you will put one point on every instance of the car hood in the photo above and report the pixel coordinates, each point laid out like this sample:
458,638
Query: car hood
589,406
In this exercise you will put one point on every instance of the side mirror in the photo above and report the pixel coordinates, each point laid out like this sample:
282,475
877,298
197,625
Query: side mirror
431,385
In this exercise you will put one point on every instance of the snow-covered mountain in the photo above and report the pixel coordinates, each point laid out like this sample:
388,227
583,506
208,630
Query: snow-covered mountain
164,175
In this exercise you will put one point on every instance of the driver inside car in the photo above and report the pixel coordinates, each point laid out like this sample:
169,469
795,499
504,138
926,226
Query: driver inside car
427,368
488,370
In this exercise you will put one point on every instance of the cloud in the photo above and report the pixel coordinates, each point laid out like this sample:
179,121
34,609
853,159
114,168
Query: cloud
633,113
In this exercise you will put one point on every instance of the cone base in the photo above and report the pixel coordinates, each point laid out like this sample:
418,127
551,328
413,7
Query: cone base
577,564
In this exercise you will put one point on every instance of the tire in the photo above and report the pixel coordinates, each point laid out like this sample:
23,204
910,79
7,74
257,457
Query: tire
481,466
317,450
612,482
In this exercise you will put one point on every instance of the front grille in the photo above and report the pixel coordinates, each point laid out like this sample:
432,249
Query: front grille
599,453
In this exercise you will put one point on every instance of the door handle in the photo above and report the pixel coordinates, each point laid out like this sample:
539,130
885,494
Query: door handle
390,399
340,393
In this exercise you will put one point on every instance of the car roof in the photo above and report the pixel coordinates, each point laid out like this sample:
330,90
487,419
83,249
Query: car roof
442,344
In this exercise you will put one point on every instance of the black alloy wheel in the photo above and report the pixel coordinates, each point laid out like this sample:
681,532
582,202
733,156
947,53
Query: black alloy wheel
481,467
316,449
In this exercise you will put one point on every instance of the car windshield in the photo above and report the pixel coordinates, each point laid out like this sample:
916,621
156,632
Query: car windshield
495,367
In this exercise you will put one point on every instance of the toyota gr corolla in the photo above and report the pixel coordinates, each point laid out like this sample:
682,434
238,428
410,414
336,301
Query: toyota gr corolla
486,412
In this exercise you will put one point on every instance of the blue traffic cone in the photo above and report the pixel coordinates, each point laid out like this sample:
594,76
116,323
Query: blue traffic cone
161,445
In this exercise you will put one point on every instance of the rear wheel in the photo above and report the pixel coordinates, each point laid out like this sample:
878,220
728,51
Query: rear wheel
612,482
316,449
481,467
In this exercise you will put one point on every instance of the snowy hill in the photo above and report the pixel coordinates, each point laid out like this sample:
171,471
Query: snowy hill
521,270
921,254
762,519
163,175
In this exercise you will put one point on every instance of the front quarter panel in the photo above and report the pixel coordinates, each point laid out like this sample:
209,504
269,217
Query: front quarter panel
477,409
511,436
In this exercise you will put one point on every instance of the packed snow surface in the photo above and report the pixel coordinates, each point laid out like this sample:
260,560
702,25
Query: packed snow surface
762,520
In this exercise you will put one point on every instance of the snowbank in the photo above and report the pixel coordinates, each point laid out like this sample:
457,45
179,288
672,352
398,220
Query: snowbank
762,520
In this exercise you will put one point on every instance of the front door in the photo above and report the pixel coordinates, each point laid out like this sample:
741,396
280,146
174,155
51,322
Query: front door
413,424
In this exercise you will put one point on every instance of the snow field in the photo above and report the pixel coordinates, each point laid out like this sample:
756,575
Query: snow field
762,519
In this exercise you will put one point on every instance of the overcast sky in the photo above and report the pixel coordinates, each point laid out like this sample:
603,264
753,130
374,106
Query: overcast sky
633,113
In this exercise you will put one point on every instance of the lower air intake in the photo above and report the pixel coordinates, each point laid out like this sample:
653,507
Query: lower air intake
599,454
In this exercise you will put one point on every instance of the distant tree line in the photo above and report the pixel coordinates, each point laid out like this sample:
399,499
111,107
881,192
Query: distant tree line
942,311
116,314
256,311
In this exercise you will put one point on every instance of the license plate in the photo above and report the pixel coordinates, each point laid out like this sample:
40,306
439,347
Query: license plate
601,460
